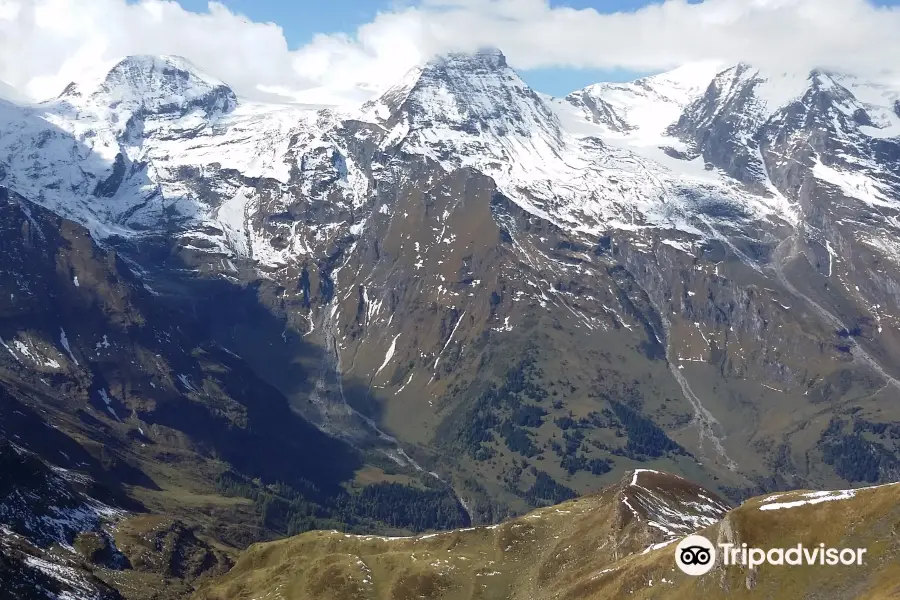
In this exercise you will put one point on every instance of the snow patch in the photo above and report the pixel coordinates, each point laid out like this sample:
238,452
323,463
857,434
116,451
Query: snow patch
812,498
449,339
854,184
65,344
108,402
388,356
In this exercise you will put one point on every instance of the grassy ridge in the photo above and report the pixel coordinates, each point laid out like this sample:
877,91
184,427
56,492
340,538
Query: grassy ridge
582,549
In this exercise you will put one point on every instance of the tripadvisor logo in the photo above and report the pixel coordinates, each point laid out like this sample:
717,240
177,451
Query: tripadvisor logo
696,555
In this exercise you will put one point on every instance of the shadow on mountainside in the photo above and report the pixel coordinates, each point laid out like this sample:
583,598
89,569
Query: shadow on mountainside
255,317
113,340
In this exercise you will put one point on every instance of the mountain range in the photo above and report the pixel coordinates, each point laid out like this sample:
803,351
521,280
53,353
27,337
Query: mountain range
231,321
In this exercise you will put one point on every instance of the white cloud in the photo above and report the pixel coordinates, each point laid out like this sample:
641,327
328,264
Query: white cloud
44,44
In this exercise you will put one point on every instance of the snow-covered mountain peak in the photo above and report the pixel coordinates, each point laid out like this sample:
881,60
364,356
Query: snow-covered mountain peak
644,109
881,101
466,96
766,92
759,96
678,86
773,90
151,84
684,82
772,129
745,93
116,146
640,108
484,59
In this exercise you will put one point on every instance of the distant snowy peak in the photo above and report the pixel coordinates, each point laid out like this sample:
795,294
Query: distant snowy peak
648,104
771,130
683,84
758,96
742,99
881,102
745,87
458,96
701,93
152,84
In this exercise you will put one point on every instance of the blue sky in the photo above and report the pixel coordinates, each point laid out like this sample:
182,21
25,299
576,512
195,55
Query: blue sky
301,22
